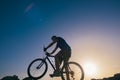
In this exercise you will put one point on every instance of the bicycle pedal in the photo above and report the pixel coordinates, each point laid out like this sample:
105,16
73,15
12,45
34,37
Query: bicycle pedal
51,75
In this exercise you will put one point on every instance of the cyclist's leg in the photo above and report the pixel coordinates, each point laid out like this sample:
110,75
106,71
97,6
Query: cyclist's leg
66,58
57,64
66,68
58,60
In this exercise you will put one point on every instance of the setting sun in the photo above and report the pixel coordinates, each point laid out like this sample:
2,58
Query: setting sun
90,68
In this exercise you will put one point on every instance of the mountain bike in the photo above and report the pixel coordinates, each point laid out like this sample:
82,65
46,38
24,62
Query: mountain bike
69,71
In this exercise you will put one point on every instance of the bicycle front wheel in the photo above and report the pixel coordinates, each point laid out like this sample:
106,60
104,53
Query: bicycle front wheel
37,69
72,71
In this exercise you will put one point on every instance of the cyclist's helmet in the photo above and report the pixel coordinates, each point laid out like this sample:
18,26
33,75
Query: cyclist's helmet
53,38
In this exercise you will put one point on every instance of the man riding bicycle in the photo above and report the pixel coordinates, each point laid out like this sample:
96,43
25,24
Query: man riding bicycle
63,55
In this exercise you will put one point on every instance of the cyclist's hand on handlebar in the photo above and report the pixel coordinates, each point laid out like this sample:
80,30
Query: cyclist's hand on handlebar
45,49
48,54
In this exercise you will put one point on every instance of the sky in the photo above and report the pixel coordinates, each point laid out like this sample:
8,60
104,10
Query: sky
91,28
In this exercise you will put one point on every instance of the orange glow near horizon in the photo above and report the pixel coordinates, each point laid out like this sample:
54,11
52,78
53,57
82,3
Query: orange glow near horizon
98,55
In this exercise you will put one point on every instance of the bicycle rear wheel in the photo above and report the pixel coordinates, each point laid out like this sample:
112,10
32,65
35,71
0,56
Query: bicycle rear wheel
72,71
37,69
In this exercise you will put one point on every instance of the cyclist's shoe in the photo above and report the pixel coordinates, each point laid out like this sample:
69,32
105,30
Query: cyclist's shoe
56,74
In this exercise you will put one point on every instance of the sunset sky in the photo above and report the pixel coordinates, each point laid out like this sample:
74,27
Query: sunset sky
91,27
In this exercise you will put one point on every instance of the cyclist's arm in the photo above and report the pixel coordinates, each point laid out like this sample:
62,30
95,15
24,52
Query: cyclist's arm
54,50
50,45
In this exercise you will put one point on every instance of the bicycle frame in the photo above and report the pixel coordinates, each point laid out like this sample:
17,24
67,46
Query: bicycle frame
50,61
43,64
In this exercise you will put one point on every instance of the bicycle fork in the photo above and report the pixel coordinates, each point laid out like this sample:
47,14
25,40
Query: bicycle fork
40,65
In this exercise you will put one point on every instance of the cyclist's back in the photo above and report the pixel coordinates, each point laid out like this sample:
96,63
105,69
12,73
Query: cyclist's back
61,43
65,48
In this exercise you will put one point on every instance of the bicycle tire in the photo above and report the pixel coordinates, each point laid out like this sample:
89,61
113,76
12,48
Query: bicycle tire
43,66
78,67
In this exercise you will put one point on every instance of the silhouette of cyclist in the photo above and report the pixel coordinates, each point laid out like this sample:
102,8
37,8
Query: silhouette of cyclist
63,55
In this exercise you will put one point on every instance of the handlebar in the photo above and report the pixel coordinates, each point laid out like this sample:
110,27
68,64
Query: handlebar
47,53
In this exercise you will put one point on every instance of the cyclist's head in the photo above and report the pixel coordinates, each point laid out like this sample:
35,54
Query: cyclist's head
54,38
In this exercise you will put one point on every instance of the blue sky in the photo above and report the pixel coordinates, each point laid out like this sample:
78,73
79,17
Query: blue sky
27,25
